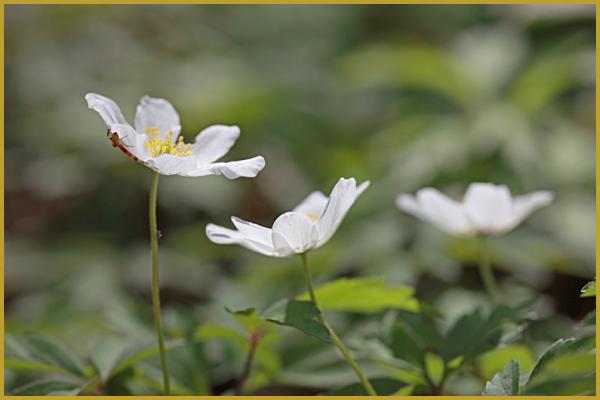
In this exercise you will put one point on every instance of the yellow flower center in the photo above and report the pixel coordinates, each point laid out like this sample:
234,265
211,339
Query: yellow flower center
155,145
313,217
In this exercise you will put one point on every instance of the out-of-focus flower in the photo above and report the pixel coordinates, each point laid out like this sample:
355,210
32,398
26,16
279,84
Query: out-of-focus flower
156,143
486,209
308,226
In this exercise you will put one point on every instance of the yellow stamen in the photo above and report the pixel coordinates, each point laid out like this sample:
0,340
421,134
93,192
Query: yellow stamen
155,145
313,217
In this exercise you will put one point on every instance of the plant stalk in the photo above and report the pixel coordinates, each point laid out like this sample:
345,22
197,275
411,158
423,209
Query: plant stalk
155,286
334,337
248,364
485,270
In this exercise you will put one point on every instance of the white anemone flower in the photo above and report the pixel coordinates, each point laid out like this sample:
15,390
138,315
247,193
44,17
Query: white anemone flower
155,141
486,209
307,227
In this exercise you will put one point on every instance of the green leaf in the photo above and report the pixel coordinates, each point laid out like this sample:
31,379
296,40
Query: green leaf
363,295
473,334
32,366
134,355
210,331
406,344
435,367
505,383
383,387
551,352
42,351
589,290
300,315
49,388
248,319
494,360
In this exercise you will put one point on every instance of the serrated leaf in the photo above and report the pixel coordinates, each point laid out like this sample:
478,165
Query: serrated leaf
298,314
589,290
248,319
505,383
134,355
383,387
407,344
363,295
42,350
48,388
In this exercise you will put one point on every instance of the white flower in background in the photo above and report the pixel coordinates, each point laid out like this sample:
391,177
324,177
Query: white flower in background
155,140
486,209
309,226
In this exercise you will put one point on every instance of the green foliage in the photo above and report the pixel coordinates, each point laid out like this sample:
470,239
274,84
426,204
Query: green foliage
48,388
494,360
363,295
301,315
505,383
383,387
589,290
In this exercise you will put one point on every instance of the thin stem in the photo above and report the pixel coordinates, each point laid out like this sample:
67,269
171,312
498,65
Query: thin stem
485,270
254,339
155,287
334,337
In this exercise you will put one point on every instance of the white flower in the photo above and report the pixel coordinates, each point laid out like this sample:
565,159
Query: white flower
309,226
155,141
486,209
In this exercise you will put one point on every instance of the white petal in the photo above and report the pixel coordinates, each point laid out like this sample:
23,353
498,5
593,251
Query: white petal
523,206
220,235
488,206
133,141
168,164
313,205
253,232
214,142
434,207
234,169
157,113
294,233
108,109
343,195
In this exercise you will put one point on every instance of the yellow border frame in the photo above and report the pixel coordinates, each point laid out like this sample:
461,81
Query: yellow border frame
234,2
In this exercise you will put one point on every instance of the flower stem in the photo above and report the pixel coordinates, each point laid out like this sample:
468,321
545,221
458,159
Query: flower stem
254,339
485,270
334,337
155,287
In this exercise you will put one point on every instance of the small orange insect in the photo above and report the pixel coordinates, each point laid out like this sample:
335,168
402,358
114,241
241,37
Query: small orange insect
116,142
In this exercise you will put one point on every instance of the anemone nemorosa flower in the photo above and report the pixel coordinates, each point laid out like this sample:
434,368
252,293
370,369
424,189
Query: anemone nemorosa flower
486,209
308,226
156,143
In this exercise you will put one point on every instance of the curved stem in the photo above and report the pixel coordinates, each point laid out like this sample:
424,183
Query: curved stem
334,337
485,270
254,339
155,287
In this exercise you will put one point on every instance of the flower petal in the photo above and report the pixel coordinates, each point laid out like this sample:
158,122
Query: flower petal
434,207
107,108
342,197
221,235
168,164
294,233
523,206
253,232
234,169
157,113
214,142
313,205
488,206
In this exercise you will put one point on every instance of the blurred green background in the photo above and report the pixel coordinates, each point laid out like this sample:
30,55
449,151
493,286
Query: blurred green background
405,96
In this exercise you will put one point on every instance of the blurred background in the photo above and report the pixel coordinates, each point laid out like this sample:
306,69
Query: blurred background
405,96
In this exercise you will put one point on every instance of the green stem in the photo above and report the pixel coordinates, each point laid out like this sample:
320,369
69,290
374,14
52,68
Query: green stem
485,269
334,337
155,287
